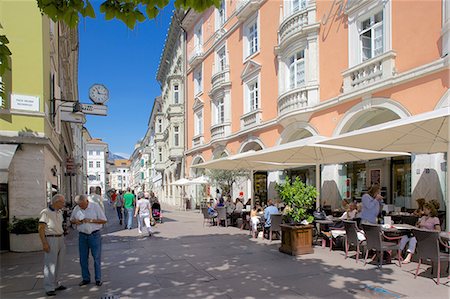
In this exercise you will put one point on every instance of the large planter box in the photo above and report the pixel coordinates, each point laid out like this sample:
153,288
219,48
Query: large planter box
296,239
25,242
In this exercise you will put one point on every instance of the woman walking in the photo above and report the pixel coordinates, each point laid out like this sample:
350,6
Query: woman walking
118,203
145,211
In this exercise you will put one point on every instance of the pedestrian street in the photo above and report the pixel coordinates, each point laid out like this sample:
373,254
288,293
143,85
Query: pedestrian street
185,259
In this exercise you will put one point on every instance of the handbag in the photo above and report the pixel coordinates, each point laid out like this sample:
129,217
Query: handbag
319,215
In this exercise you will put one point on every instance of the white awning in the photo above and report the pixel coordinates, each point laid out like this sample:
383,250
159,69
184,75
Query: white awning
6,154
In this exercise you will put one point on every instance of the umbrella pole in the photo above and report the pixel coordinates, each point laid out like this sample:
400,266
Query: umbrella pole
447,205
318,185
251,188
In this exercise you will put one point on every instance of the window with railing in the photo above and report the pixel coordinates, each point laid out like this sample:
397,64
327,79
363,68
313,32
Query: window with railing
198,80
251,37
198,117
221,59
297,69
252,96
176,136
371,36
221,14
176,94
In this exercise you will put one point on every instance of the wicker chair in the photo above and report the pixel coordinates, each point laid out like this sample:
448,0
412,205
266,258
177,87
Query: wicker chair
222,215
374,239
275,221
351,238
428,249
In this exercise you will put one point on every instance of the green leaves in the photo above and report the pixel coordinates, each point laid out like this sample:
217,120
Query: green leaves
4,61
128,11
299,197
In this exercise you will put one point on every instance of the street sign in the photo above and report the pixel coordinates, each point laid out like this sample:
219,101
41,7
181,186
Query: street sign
91,109
69,116
94,109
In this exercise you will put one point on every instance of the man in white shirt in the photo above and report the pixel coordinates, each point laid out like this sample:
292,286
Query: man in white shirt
51,233
89,218
94,196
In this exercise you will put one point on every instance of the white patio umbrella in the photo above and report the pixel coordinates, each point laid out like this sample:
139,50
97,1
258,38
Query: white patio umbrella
308,152
181,182
238,162
424,133
201,180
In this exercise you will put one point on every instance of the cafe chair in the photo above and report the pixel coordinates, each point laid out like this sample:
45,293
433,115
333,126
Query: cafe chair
428,249
206,216
374,241
275,222
351,238
222,215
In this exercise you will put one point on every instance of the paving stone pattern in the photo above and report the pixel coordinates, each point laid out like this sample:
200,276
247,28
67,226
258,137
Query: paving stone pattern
185,259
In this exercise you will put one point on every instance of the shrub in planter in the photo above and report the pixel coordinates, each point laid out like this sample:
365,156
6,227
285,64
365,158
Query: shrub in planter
24,226
299,200
24,236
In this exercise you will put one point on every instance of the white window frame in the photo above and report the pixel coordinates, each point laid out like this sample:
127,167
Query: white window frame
198,80
176,135
292,6
292,69
361,12
160,125
176,93
198,36
98,164
160,154
98,153
218,111
251,105
91,164
221,18
373,28
254,20
198,120
221,61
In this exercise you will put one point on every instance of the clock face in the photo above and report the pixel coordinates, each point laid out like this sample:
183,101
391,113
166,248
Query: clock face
98,93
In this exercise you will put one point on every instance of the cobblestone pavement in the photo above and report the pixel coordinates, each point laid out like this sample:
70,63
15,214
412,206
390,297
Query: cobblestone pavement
185,259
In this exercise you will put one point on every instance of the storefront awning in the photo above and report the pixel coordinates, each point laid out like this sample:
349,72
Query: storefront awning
6,154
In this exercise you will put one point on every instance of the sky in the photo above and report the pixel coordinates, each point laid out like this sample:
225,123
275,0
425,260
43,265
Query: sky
126,62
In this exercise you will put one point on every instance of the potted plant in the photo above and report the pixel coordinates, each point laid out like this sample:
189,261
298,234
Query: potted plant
24,236
297,232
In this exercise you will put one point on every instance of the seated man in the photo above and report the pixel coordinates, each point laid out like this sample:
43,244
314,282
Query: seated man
269,210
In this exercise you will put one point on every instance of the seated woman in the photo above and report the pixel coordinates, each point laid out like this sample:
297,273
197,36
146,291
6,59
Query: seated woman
254,221
351,212
419,211
429,221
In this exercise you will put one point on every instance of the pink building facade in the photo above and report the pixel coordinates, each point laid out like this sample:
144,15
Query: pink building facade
263,73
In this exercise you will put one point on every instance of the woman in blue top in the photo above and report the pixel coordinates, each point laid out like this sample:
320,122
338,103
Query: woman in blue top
371,205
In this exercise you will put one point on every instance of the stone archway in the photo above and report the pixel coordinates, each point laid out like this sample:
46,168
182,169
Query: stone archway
296,131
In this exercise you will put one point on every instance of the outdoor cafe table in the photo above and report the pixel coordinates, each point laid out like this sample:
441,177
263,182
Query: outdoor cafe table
401,229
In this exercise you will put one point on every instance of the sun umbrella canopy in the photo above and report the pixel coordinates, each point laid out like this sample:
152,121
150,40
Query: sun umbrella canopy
239,161
181,182
423,133
308,152
202,180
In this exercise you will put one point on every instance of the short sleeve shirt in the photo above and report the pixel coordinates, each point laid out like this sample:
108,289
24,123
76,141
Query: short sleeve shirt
53,220
428,222
93,211
128,199
143,205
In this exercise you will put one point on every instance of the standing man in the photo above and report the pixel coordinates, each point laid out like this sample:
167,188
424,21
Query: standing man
128,204
94,196
51,233
89,218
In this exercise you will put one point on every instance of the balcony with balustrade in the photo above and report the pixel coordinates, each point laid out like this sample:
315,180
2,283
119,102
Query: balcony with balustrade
297,23
369,72
297,100
246,8
220,79
198,140
220,130
251,119
196,56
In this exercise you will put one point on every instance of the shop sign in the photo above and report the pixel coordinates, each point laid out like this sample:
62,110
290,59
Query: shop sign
24,102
